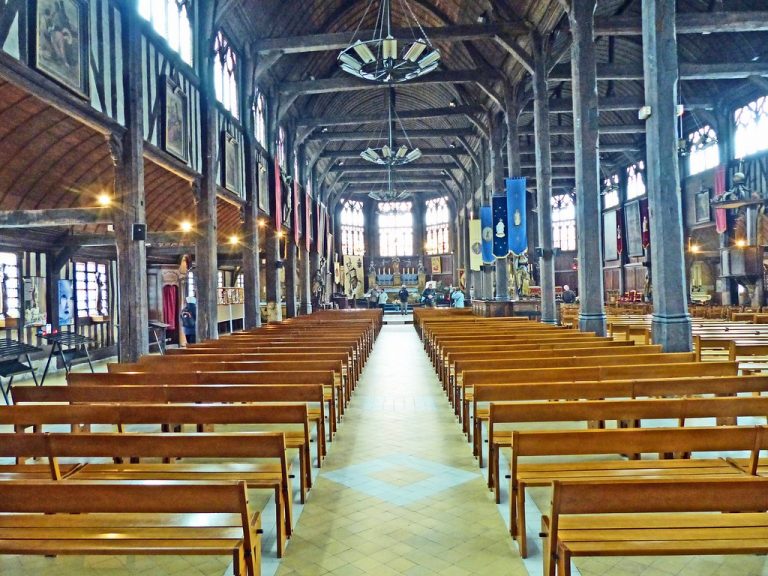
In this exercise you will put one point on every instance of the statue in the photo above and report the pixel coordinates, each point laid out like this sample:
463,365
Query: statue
523,277
647,288
421,269
500,229
396,265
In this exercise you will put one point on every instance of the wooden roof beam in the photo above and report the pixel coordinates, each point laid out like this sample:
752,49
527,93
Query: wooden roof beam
688,71
54,217
373,168
340,40
343,154
620,104
353,120
412,134
401,181
605,129
604,148
687,23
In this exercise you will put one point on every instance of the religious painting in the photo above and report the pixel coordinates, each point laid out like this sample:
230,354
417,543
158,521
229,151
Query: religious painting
34,302
66,303
263,186
610,245
701,207
633,229
437,266
175,133
60,44
353,276
231,162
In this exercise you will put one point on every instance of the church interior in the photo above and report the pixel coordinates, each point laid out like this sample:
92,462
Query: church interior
407,287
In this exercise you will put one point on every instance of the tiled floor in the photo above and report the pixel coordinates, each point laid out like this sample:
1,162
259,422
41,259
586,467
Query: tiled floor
399,493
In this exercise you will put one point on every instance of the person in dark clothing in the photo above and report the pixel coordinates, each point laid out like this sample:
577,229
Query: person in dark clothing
428,296
569,296
402,295
189,320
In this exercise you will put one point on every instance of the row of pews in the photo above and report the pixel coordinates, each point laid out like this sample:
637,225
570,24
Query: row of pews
569,409
167,453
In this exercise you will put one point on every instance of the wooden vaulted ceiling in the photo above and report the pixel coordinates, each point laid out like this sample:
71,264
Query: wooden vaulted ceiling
252,20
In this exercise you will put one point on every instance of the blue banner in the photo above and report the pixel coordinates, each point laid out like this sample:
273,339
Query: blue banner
516,212
500,226
486,233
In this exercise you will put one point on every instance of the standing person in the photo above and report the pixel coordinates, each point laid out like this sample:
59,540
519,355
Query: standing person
428,296
457,297
403,297
189,320
373,297
383,299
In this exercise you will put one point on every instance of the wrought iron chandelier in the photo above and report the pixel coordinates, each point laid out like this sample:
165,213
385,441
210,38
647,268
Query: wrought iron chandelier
381,59
391,155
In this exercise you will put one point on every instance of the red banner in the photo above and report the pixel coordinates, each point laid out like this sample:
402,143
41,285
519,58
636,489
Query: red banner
296,214
721,220
308,222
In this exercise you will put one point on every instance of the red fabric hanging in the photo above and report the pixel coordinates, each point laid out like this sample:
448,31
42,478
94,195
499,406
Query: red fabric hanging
721,222
619,231
170,305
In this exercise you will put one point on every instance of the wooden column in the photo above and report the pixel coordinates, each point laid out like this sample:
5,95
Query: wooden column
305,281
272,275
205,254
127,154
514,162
497,187
291,309
671,323
543,178
585,139
250,243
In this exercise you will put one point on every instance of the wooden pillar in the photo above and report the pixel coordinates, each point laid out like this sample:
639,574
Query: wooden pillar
497,187
585,140
129,214
305,281
514,162
543,179
291,292
671,323
272,275
250,244
205,255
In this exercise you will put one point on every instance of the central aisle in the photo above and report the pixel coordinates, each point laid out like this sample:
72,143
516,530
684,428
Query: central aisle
400,492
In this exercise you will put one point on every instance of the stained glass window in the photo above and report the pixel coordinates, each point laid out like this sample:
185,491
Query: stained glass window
635,181
395,228
437,220
260,110
170,19
563,222
611,191
225,74
91,293
353,228
9,285
704,153
751,135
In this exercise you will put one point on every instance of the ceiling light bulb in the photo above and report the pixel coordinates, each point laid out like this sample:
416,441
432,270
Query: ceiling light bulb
415,50
386,151
350,61
262,223
364,52
104,200
351,70
414,154
186,226
234,240
402,151
370,155
741,243
390,47
429,59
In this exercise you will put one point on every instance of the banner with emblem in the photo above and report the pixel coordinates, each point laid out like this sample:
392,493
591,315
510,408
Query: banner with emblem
486,233
516,212
500,226
475,245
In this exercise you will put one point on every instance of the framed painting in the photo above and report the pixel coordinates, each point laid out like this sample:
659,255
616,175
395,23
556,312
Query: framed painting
633,229
610,246
264,186
175,119
66,303
231,156
701,207
60,42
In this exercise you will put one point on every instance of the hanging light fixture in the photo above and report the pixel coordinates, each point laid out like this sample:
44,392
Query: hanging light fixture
380,59
391,155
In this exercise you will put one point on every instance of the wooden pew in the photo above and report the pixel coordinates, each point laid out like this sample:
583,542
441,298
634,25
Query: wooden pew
80,518
654,518
564,443
154,394
270,472
507,413
290,419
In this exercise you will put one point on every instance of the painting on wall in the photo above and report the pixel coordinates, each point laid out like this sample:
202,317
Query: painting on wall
633,229
263,187
610,244
353,276
231,163
60,42
34,302
701,207
175,133
437,265
66,303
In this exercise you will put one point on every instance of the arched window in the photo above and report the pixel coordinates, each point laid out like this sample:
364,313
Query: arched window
281,152
751,128
10,301
611,192
170,19
352,228
635,182
225,74
563,222
395,229
437,219
260,110
704,153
